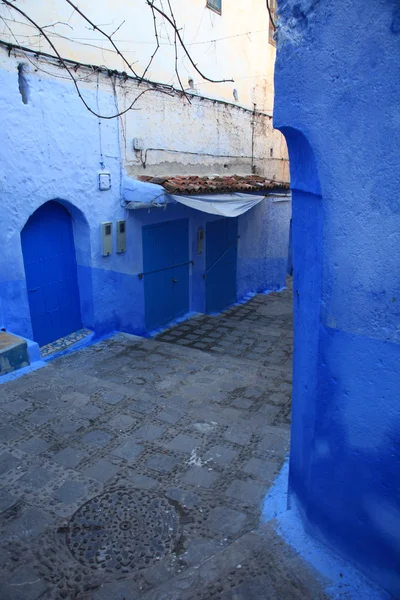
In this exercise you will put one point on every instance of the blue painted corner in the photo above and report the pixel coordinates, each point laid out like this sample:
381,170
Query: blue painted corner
337,87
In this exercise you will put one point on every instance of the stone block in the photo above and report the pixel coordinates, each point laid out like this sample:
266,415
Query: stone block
16,406
200,477
112,397
36,478
122,422
199,550
183,443
8,462
149,432
41,416
70,492
225,521
34,446
129,450
69,457
265,470
9,433
170,415
23,584
183,497
247,492
242,403
140,481
162,463
220,455
6,500
32,521
96,438
102,470
238,436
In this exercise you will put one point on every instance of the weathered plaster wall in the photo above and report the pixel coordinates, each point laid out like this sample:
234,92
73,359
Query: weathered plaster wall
233,45
53,149
263,246
199,138
202,137
337,84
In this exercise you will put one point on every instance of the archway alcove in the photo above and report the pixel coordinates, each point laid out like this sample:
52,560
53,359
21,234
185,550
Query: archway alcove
56,253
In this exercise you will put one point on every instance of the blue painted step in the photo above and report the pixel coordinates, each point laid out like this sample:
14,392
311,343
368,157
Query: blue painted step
13,353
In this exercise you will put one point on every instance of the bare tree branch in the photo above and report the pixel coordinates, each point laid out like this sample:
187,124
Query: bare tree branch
96,28
157,43
64,64
270,15
176,53
173,25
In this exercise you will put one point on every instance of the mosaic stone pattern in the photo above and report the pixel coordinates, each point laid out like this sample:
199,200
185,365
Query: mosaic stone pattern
64,342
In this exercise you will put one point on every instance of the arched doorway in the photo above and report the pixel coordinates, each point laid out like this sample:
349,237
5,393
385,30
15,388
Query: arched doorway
51,274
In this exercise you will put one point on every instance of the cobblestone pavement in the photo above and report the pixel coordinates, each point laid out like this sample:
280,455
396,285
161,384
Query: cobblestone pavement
137,468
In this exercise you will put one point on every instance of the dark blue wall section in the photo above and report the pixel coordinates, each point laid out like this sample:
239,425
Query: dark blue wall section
221,261
165,272
337,102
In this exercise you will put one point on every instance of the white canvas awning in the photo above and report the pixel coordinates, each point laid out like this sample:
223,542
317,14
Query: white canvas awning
226,205
141,195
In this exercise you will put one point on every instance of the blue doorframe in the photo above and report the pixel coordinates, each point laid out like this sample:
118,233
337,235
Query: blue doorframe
51,275
166,272
221,263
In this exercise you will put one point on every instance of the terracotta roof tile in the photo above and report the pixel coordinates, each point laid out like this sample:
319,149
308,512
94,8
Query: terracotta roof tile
194,184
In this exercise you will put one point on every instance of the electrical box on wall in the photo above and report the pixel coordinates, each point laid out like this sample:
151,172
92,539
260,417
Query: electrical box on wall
106,239
121,236
138,144
104,180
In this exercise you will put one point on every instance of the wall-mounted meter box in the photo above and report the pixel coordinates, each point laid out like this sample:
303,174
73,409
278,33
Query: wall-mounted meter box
106,239
121,236
104,181
138,144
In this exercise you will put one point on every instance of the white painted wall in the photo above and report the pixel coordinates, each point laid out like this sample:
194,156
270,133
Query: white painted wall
204,137
231,45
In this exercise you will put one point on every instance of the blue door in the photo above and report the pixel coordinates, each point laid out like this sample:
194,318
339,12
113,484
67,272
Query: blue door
221,258
51,275
165,272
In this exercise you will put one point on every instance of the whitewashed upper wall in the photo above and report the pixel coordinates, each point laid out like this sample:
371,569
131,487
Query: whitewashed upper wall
202,137
233,45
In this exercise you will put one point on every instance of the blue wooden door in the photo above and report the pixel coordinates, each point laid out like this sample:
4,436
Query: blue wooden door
166,272
221,258
51,275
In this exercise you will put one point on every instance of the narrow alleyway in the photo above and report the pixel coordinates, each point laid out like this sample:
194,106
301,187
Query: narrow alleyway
128,464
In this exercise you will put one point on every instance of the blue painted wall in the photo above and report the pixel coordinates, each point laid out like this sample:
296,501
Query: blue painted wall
263,246
52,149
337,89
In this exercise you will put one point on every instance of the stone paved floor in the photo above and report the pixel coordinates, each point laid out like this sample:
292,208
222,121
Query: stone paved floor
137,468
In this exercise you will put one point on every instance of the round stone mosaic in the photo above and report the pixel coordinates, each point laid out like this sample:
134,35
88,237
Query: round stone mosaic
123,530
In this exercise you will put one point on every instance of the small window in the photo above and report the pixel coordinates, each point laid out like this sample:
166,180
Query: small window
214,5
271,6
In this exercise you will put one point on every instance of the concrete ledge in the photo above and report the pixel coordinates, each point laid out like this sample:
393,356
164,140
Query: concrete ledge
13,353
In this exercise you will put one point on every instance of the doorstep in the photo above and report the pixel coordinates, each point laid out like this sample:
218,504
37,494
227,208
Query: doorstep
13,353
64,343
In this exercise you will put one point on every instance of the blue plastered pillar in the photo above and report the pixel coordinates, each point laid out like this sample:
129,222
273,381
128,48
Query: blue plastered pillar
337,85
